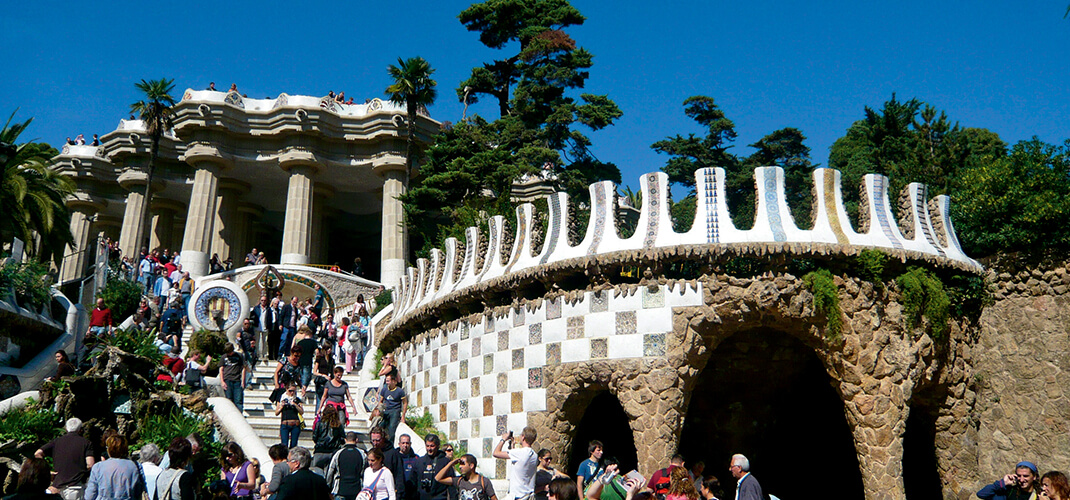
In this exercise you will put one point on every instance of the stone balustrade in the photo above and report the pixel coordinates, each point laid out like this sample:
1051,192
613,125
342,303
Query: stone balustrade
924,230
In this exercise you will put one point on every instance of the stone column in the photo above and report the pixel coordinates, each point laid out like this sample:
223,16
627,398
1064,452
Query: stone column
395,238
196,242
77,258
224,234
163,223
297,230
133,229
877,415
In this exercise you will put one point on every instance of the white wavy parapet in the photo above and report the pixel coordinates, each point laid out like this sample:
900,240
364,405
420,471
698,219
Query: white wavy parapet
933,233
293,101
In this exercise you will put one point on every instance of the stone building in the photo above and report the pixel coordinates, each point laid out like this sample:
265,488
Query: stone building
304,179
719,347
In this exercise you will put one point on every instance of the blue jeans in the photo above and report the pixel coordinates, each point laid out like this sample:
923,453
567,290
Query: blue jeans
306,374
185,305
289,435
284,342
235,393
391,419
98,330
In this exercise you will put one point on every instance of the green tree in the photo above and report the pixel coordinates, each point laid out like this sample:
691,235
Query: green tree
782,148
414,89
471,168
1016,202
156,112
33,199
692,153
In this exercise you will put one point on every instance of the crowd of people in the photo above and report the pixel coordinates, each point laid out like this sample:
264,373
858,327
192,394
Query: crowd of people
79,140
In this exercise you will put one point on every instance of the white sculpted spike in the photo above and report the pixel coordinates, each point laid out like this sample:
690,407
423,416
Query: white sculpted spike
492,262
521,256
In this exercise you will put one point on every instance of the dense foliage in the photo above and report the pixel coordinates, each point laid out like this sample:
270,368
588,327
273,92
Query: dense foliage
923,295
28,280
134,341
470,169
783,148
826,300
121,296
30,425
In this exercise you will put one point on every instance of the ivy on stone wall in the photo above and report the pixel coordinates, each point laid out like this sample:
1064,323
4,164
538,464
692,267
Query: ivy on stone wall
869,265
826,300
923,295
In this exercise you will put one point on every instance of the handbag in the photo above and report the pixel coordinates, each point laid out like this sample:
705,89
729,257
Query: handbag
368,493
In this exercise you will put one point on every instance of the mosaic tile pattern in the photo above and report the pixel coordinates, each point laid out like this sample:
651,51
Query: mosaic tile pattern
831,211
475,426
434,358
535,378
599,348
503,341
772,205
625,322
500,426
464,408
553,308
521,237
463,368
599,216
453,353
442,413
477,347
488,406
654,344
488,447
553,203
709,187
475,387
575,327
599,301
653,200
488,364
518,359
653,300
464,330
434,394
518,316
488,324
553,353
877,199
503,383
517,403
453,430
499,468
535,333
921,211
453,391
442,374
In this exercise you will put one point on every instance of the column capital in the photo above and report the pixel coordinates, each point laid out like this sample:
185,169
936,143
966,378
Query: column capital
131,179
295,158
84,202
384,165
205,156
109,221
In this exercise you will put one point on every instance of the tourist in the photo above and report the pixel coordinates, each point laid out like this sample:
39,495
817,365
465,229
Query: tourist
100,322
215,265
344,473
408,461
96,140
591,467
523,462
710,488
358,268
148,310
196,443
662,478
321,374
33,480
307,344
279,471
747,487
302,484
185,288
240,474
330,94
388,368
232,371
195,370
340,98
64,368
116,478
363,327
428,467
70,142
391,459
289,407
233,87
145,268
211,86
392,405
250,258
563,489
174,297
288,320
171,325
696,474
80,140
247,340
160,289
681,486
72,455
1019,484
1054,486
471,484
328,332
288,370
379,478
544,473
328,434
175,481
275,336
261,259
262,318
174,364
150,465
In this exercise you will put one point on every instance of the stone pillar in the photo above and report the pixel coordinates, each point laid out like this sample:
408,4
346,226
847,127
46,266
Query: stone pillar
224,234
163,223
196,242
877,415
76,259
395,238
297,230
133,229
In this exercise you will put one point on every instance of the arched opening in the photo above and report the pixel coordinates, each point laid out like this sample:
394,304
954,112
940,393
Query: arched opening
766,395
605,421
921,475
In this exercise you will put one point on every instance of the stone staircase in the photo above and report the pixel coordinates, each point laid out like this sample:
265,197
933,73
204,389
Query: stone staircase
261,413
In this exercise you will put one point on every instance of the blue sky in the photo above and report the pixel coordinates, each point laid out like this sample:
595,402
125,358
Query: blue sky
1000,65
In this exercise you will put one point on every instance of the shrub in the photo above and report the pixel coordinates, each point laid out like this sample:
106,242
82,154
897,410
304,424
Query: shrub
30,424
385,298
923,295
869,265
826,300
421,424
161,429
122,297
209,342
29,281
134,341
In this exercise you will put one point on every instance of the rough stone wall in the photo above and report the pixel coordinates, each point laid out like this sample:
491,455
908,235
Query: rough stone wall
1022,361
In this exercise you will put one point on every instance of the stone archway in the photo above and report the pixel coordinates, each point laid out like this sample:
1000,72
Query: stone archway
765,394
605,420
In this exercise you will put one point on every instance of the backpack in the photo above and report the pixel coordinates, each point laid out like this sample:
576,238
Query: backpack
192,376
661,487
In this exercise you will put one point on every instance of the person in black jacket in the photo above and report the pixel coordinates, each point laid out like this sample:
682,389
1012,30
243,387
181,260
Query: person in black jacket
329,436
391,459
302,484
288,322
345,472
427,467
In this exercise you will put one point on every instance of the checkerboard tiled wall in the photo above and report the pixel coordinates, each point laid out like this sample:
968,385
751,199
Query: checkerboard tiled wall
485,375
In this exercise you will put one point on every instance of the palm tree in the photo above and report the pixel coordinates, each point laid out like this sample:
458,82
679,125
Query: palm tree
33,199
414,88
156,113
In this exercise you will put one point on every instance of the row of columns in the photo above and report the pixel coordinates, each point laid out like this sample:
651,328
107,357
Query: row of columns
216,222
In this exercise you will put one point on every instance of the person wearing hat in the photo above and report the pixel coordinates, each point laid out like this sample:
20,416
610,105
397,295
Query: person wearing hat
1019,485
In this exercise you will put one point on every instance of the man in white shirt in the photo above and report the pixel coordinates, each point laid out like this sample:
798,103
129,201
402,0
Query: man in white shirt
747,488
522,461
176,274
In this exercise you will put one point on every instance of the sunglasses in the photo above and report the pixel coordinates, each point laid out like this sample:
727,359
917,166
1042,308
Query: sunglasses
448,450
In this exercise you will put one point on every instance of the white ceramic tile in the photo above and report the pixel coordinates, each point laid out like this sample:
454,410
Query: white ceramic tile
518,336
464,428
464,349
625,346
626,302
518,380
516,422
453,371
464,390
535,400
535,356
653,320
502,404
554,330
503,361
600,324
575,350
453,410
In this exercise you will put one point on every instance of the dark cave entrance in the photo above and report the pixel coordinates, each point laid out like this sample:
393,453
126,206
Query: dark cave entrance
603,420
766,395
921,476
